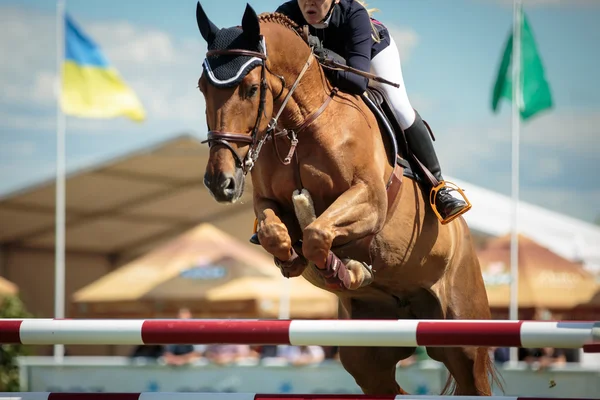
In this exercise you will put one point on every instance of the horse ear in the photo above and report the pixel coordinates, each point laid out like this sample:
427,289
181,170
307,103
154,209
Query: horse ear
250,24
207,28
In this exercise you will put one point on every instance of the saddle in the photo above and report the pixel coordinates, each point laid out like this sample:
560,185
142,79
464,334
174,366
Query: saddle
397,153
399,156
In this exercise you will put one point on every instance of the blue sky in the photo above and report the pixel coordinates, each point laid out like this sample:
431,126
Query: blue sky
450,52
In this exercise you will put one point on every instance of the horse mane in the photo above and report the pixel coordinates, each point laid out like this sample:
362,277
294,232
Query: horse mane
281,19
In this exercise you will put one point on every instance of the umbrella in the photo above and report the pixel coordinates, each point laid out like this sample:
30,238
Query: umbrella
306,300
546,280
7,287
186,266
187,270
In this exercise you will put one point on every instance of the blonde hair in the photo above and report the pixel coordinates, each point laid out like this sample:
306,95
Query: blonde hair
371,11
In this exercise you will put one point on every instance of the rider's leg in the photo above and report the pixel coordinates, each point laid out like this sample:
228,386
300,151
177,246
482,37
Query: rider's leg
387,64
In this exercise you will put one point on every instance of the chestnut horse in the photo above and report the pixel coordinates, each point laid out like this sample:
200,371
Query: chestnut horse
329,203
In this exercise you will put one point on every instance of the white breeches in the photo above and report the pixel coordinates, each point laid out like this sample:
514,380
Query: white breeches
387,65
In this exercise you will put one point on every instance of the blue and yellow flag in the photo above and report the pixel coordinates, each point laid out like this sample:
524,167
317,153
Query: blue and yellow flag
91,87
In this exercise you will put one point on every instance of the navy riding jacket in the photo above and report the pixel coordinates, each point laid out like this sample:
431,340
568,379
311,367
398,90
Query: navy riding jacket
349,34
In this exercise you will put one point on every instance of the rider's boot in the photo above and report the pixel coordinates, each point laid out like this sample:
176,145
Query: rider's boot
421,144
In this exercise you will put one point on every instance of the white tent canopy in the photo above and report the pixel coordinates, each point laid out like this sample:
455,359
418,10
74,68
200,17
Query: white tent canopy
569,237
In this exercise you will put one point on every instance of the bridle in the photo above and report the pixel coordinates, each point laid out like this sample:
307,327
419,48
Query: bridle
252,139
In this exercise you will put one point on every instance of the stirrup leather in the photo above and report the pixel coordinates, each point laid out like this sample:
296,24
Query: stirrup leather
433,195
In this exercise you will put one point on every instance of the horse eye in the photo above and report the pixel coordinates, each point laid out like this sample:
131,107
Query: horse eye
252,90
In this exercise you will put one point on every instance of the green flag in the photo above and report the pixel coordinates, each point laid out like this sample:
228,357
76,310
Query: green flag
535,90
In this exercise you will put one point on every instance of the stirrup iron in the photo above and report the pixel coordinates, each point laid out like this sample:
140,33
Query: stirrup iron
433,195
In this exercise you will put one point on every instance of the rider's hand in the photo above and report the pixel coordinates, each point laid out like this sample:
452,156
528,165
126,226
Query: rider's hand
326,55
314,42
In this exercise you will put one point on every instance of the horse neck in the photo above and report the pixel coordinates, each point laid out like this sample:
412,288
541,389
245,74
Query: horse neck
288,57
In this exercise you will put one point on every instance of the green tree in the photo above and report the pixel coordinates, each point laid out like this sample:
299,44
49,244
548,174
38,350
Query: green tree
11,307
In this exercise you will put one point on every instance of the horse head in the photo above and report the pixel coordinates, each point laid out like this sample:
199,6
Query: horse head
235,101
239,89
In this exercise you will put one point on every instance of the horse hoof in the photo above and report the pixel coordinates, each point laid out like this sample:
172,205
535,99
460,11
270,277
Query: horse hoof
361,273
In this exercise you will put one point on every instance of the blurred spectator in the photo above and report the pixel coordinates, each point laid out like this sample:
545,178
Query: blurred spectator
302,355
267,351
223,354
551,356
181,354
542,358
148,351
500,355
572,355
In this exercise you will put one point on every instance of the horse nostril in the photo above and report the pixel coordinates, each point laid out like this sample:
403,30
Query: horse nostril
231,184
228,184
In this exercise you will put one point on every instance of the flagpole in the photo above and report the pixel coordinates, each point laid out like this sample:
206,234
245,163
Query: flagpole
284,299
59,268
516,105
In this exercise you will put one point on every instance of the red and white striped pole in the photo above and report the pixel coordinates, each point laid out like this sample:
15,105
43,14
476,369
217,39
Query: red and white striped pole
400,333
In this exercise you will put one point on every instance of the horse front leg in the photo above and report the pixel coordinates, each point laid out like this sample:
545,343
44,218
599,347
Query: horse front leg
356,213
275,238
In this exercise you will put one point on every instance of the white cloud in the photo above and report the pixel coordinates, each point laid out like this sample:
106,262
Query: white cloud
25,122
26,38
127,44
406,40
570,130
557,152
44,87
424,104
20,148
161,70
34,173
466,145
547,167
39,90
564,129
583,203
47,124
